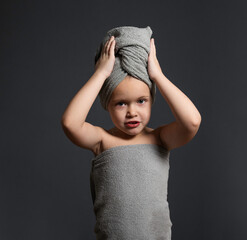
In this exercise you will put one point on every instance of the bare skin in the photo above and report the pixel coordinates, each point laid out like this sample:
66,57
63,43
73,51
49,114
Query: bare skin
130,101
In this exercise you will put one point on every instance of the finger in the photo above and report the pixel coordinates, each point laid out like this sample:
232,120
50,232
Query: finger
104,50
109,44
154,47
112,48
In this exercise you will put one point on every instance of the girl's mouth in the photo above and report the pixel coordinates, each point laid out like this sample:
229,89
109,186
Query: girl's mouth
132,124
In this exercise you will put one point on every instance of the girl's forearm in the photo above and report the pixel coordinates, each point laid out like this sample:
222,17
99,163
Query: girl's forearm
78,108
181,106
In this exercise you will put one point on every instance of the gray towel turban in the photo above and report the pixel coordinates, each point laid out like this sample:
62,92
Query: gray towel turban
131,58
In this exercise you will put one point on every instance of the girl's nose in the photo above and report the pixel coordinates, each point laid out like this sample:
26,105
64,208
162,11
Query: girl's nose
131,112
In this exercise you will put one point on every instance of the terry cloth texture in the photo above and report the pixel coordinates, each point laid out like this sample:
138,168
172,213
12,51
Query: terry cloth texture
129,192
131,58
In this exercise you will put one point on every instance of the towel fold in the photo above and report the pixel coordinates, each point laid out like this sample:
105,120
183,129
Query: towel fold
131,58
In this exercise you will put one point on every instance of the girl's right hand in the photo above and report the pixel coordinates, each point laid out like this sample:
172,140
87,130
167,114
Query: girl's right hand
106,61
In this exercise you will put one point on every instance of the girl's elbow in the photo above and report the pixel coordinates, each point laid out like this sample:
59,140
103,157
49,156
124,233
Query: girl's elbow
196,122
66,122
195,125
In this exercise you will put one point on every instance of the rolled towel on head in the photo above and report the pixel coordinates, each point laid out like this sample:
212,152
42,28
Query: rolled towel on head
131,58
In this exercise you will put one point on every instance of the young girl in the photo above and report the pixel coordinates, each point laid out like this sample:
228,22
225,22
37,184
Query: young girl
131,165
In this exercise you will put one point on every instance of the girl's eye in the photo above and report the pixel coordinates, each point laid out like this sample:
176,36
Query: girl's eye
141,101
120,103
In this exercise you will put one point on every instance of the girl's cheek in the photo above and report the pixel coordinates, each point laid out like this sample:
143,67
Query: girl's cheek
119,113
118,108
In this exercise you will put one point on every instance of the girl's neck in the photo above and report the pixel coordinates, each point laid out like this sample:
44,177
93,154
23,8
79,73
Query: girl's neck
118,133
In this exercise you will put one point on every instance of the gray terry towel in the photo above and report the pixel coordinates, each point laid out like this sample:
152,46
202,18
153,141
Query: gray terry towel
129,192
131,57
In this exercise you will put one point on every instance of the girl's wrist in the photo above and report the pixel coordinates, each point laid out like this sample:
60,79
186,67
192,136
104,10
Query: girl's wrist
158,76
100,74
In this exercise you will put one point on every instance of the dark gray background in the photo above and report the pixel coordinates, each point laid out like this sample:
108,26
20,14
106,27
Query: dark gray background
47,53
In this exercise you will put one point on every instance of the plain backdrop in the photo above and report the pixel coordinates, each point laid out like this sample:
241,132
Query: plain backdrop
47,54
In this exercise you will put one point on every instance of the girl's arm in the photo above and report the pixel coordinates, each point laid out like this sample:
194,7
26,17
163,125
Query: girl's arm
187,116
73,122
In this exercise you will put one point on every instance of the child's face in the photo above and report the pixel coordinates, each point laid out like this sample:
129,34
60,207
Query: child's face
130,101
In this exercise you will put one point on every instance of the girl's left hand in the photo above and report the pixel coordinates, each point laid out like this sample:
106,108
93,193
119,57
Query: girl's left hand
154,69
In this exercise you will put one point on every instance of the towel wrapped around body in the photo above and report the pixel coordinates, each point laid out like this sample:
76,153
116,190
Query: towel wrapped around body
131,58
129,192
